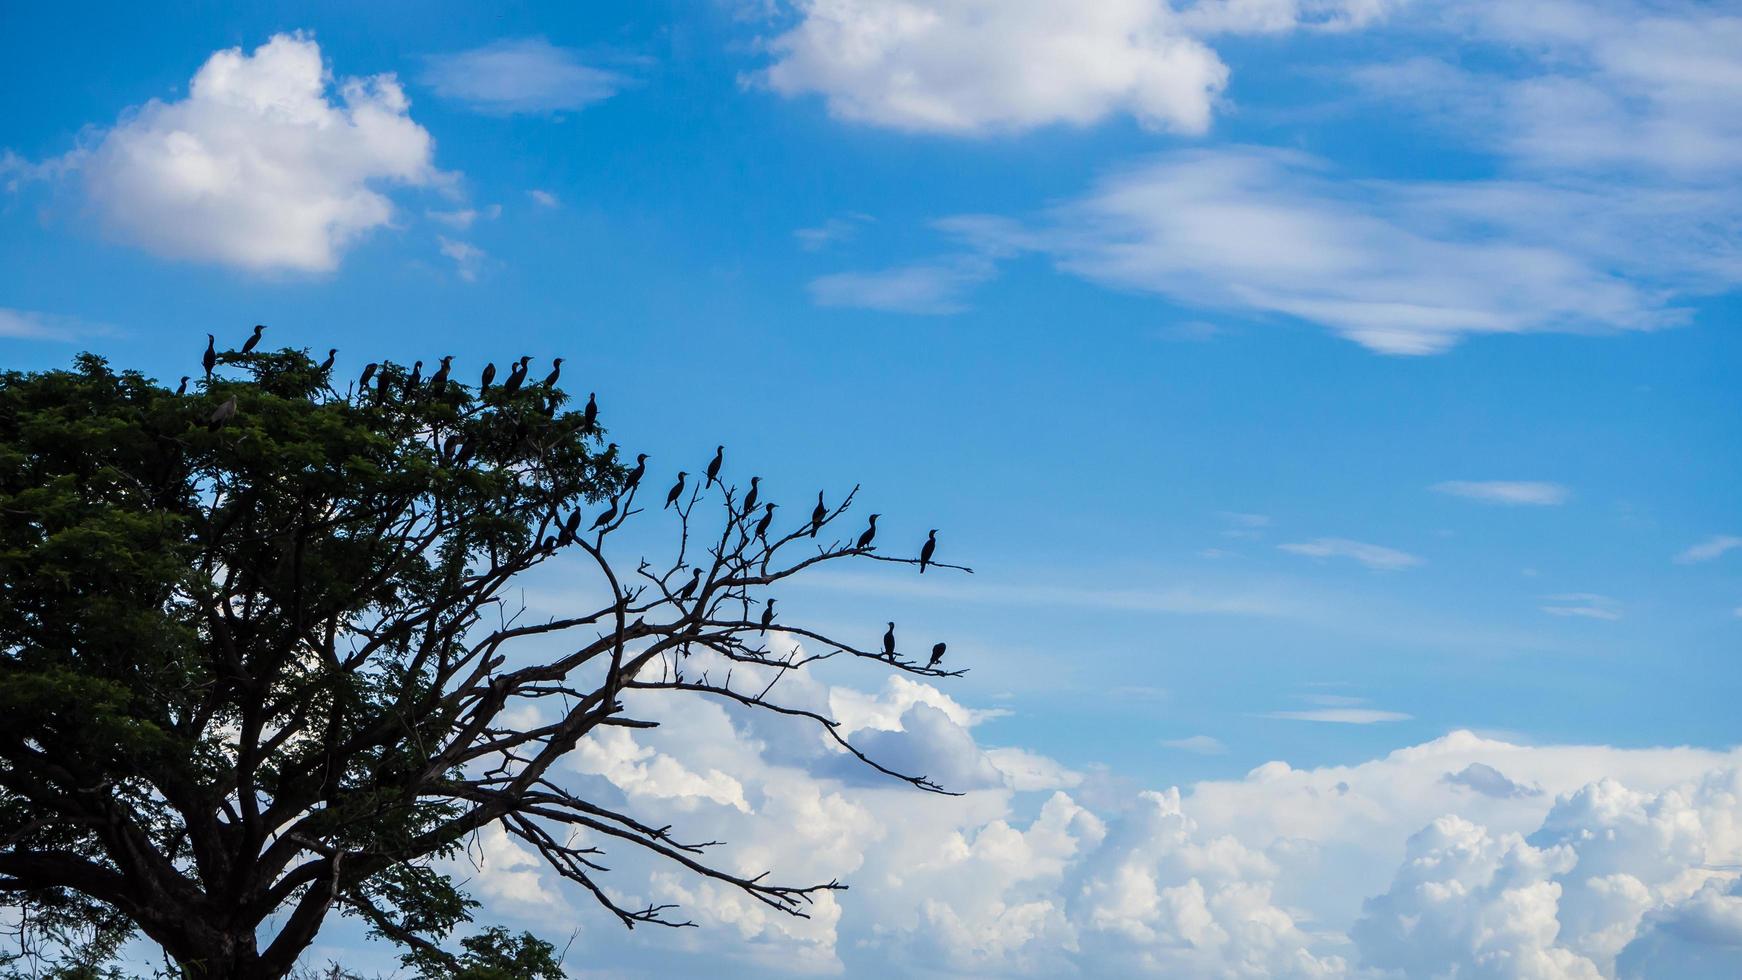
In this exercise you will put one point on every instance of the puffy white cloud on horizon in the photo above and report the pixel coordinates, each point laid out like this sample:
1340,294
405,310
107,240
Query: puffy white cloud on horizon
258,167
1464,853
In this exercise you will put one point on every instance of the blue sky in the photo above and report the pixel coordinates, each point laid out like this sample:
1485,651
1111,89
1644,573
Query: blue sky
1306,380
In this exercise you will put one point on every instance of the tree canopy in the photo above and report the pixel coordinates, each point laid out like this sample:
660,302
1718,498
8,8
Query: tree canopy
260,655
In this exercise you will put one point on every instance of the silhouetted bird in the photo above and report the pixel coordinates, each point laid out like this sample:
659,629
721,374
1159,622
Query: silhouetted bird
633,480
327,365
937,654
465,456
818,515
676,490
590,414
610,451
767,519
556,370
210,359
889,642
182,388
489,376
927,550
714,466
870,533
767,615
690,587
516,375
254,341
381,384
368,372
607,517
750,497
573,524
438,382
413,379
222,414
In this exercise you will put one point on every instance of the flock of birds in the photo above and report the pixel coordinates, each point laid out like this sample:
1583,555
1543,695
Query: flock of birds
516,379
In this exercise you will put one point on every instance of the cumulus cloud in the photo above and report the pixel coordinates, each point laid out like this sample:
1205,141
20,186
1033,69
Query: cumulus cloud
1510,492
1709,549
1489,781
1373,556
520,75
267,164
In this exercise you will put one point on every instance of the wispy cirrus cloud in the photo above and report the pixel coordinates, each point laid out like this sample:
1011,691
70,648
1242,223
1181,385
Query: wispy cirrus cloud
1200,744
1516,493
1582,605
520,76
1709,549
34,325
1377,557
1341,716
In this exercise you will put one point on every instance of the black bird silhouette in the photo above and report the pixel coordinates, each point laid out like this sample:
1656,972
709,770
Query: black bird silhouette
889,642
937,654
381,384
767,615
413,379
633,480
182,388
210,360
590,414
556,370
870,533
927,550
489,376
818,514
690,587
368,372
607,517
750,497
610,451
767,519
222,414
465,456
332,355
516,375
676,490
254,341
573,524
714,466
438,382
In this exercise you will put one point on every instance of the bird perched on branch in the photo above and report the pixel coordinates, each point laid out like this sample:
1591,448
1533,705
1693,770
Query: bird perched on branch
438,382
516,375
413,379
590,414
556,371
818,515
569,527
750,495
870,534
327,365
633,480
937,655
368,372
889,642
676,490
690,587
254,341
607,517
222,415
767,615
210,359
489,376
767,519
381,384
182,388
927,550
714,465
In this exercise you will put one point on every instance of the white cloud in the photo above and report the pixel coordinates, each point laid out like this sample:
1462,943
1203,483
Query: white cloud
836,229
257,167
468,258
1201,744
1510,492
1709,549
1485,779
936,287
544,199
1342,716
1582,605
1372,555
463,218
33,325
523,75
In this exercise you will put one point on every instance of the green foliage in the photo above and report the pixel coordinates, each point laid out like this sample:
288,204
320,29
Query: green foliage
494,954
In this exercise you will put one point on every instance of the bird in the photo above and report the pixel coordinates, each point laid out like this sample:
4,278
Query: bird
556,370
489,376
465,456
182,388
590,414
222,414
610,452
573,524
516,375
607,517
210,359
714,466
937,654
438,382
368,372
767,615
254,341
889,642
633,480
413,379
381,384
818,515
676,490
332,355
690,587
767,519
870,532
750,497
926,550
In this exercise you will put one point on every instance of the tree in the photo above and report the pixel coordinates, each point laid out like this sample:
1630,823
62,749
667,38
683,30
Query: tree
259,657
